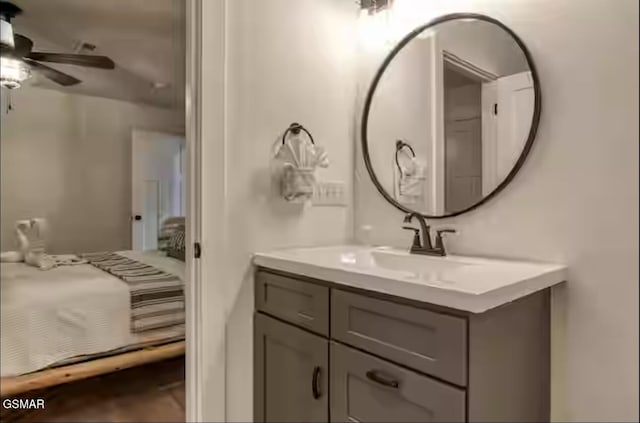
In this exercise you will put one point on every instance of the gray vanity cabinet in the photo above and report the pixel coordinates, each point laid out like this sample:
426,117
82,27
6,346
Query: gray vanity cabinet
291,373
330,353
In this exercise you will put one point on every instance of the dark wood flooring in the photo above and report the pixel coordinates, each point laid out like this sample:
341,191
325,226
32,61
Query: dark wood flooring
150,393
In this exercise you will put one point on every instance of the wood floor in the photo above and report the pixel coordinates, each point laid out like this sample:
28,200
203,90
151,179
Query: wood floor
150,393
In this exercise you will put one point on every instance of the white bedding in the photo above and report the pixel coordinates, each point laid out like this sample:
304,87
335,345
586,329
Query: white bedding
50,316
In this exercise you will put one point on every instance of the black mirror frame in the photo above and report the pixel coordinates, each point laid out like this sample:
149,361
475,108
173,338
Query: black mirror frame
374,84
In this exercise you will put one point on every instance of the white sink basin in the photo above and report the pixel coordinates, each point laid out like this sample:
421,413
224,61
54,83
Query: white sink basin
417,264
466,283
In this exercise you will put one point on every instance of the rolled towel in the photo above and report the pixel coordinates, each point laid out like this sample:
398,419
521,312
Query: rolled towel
409,180
30,235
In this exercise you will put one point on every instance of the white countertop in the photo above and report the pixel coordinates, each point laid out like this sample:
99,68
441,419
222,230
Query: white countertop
464,283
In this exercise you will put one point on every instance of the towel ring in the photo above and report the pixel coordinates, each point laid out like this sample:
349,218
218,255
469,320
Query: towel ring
399,146
295,129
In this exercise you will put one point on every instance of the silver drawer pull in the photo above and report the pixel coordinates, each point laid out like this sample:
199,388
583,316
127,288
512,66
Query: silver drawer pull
375,376
305,316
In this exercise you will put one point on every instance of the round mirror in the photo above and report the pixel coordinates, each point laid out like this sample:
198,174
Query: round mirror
450,116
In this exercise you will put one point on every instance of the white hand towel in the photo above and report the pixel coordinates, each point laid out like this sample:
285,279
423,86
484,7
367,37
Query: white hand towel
30,234
409,180
34,253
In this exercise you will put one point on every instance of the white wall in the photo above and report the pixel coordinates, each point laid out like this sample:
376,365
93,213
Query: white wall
575,200
401,110
492,49
68,158
286,61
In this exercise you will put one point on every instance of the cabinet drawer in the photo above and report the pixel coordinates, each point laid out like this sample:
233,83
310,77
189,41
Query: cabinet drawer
301,303
368,389
427,341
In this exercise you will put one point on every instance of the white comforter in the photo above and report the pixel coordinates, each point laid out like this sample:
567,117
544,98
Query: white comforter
49,316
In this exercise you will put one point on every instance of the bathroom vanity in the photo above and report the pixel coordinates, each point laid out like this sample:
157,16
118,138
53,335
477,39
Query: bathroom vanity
363,334
352,333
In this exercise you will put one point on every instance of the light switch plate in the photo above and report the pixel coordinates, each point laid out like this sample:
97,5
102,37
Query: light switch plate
329,194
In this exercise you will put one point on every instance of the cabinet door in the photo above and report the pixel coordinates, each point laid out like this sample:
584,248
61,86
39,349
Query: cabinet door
365,388
290,373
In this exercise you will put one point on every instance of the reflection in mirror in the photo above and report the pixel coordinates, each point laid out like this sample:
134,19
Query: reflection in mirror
450,116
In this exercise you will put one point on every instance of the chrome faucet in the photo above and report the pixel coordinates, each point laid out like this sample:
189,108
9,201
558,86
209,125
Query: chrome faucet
425,246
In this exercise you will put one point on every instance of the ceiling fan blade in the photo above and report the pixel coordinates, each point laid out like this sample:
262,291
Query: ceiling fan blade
54,75
23,45
102,62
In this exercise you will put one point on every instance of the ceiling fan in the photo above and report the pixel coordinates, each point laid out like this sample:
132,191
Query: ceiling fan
17,58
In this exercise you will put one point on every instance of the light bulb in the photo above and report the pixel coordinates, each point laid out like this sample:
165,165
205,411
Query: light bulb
373,29
13,72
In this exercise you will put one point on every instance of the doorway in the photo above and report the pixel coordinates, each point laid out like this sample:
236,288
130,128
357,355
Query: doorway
462,136
158,185
88,148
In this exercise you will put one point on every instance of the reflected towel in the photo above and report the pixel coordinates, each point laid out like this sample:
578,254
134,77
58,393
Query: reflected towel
409,180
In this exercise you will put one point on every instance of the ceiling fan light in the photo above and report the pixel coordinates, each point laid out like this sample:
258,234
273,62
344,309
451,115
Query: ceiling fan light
13,72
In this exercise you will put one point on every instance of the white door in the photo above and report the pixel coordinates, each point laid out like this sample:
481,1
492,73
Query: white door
507,112
463,164
515,113
157,185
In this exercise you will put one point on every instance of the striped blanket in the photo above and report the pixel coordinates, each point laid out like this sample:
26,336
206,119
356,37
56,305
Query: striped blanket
157,297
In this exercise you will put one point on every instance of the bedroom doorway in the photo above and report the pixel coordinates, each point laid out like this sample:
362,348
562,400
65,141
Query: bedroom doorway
82,160
462,139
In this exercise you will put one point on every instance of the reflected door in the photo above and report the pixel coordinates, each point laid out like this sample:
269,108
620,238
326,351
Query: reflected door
515,111
157,185
463,182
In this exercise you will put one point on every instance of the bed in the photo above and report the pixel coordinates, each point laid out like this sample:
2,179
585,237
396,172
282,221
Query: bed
75,318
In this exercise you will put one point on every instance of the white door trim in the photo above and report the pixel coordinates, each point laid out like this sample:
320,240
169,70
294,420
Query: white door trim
467,68
193,380
207,210
489,137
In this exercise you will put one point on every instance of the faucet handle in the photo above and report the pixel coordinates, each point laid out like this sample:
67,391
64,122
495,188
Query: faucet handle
439,232
416,236
446,231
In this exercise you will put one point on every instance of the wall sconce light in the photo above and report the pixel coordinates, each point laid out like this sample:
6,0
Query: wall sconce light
383,23
374,24
374,6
